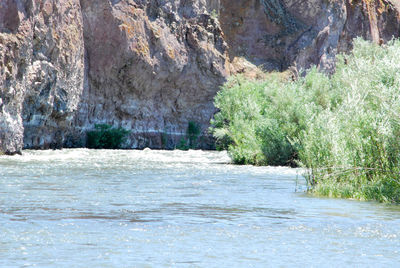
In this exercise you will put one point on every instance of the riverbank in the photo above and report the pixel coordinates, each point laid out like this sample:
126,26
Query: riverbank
344,128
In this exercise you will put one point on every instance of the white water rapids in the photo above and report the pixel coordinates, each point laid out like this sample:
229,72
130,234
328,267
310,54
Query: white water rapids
106,208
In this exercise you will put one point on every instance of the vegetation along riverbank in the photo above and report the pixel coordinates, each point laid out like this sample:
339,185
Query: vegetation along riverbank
344,128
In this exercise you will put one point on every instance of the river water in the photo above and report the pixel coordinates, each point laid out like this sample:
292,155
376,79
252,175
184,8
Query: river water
105,208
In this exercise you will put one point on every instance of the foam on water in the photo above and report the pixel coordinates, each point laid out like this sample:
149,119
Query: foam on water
131,208
191,156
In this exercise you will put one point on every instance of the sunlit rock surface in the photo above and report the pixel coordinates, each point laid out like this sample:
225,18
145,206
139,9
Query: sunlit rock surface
151,67
278,34
154,66
41,71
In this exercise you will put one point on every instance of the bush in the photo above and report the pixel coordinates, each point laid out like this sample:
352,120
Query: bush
193,132
355,145
192,136
257,120
345,129
106,137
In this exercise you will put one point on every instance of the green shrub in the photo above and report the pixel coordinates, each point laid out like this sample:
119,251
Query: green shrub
345,129
257,120
355,145
106,137
192,136
193,132
183,144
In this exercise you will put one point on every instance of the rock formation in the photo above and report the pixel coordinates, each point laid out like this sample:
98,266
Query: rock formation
41,71
151,67
278,34
154,66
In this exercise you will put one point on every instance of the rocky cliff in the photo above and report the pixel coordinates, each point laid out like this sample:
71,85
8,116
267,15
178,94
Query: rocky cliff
278,34
41,71
154,66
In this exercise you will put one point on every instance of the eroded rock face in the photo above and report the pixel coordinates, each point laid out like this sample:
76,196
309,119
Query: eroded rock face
281,33
41,71
153,66
54,75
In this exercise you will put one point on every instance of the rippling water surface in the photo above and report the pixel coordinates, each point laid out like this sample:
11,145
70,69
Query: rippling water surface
102,208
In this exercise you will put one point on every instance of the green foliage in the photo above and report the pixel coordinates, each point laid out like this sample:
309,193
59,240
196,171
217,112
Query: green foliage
106,137
183,144
353,148
192,136
164,139
345,129
257,120
214,14
193,132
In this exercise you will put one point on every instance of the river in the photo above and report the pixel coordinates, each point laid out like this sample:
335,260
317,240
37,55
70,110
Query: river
111,208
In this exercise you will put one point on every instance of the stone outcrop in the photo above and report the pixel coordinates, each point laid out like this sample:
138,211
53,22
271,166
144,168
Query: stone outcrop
41,71
277,34
151,67
154,66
